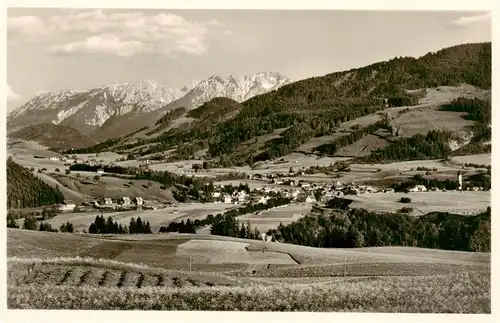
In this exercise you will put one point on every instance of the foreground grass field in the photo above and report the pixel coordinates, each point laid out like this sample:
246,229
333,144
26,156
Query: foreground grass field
189,272
460,293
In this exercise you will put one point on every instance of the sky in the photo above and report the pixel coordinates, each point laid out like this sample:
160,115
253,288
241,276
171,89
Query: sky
55,49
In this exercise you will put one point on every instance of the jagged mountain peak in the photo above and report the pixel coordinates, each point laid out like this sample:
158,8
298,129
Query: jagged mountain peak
89,110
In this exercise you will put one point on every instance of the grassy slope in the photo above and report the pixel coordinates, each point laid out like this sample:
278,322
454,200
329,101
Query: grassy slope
80,245
399,279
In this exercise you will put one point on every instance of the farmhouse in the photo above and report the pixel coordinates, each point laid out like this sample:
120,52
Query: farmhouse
389,190
216,194
418,188
295,193
100,171
139,201
108,201
126,200
226,199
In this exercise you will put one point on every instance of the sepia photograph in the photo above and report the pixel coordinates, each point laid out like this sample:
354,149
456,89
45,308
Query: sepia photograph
249,160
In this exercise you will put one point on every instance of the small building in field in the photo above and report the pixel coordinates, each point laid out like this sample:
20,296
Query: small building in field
295,193
239,196
216,195
108,201
263,199
389,190
310,199
266,238
67,206
418,188
226,199
139,201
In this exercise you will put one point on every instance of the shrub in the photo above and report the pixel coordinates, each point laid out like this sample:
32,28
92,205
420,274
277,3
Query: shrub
96,178
44,226
405,200
66,227
48,213
67,171
406,210
57,170
30,222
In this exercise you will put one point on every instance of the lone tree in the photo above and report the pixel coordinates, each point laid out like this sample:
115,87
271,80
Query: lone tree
11,221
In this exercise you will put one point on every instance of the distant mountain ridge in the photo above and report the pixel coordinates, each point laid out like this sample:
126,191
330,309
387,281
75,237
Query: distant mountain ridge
121,108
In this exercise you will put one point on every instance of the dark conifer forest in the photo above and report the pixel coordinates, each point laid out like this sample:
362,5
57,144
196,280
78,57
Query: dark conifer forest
25,190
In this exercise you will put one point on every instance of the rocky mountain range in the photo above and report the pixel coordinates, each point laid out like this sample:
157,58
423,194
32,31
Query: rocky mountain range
117,109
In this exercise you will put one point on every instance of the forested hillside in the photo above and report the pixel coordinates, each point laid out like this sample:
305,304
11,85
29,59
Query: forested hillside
25,190
54,136
315,106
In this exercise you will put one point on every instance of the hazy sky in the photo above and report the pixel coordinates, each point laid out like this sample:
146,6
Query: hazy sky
55,49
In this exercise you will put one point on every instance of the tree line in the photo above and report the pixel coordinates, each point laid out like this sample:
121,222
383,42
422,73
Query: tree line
358,228
226,224
107,226
31,223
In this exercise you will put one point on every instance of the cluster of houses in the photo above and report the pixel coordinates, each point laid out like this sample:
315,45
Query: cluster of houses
66,159
123,202
303,191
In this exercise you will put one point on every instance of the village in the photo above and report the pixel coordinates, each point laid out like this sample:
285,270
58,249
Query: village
298,191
